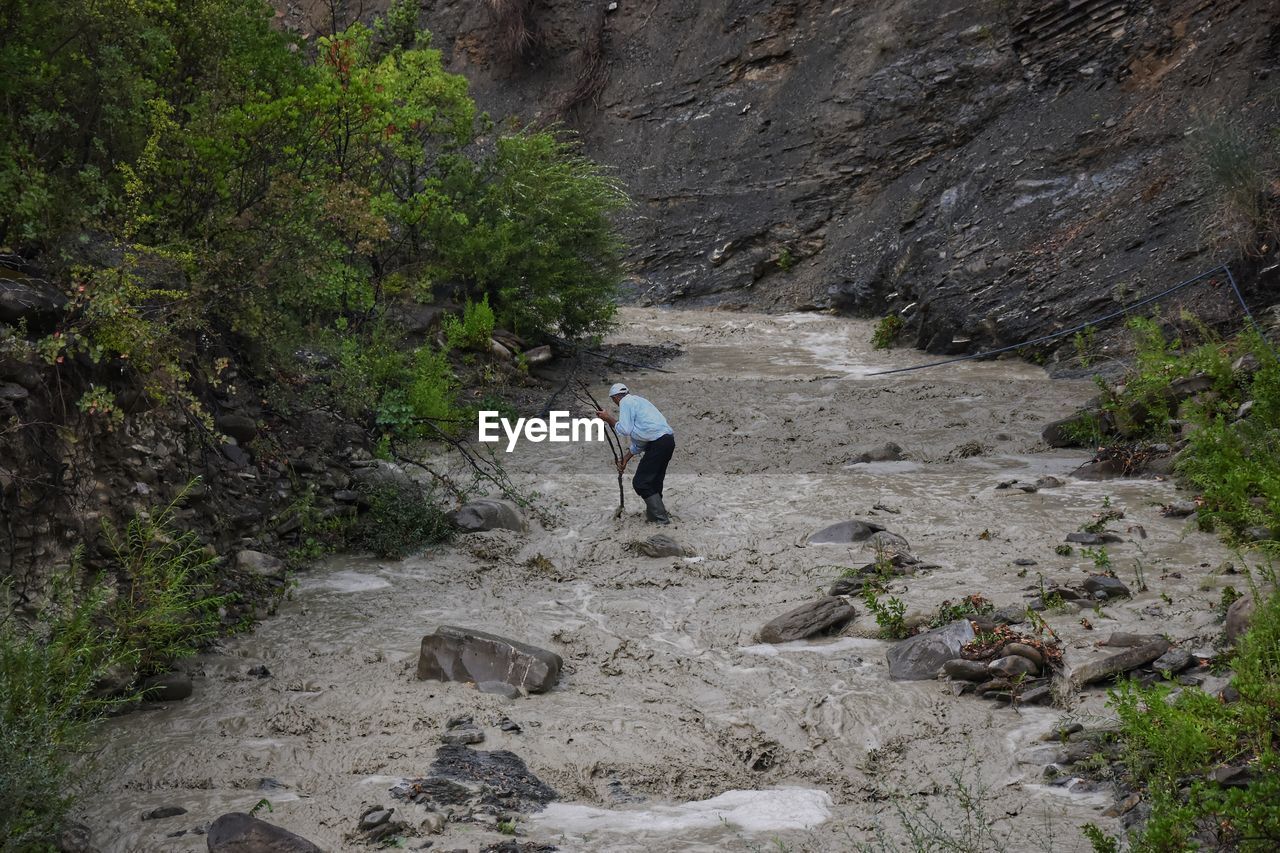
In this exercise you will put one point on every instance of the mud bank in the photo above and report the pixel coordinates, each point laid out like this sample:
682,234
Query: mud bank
672,727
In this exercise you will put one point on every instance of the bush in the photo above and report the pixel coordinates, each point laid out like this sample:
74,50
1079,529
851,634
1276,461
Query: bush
165,608
48,677
1238,172
1170,744
474,330
887,331
401,520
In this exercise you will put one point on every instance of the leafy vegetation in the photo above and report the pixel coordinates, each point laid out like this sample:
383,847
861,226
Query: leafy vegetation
1172,741
400,521
887,331
68,666
185,169
1239,172
1233,460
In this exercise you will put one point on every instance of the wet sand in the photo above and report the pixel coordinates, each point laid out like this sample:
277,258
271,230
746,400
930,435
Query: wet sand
672,728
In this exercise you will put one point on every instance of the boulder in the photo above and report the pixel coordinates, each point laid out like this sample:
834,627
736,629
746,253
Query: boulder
12,392
1023,650
28,300
1239,615
488,514
1121,662
239,833
845,533
1105,585
660,545
887,452
475,657
816,617
240,427
260,564
920,657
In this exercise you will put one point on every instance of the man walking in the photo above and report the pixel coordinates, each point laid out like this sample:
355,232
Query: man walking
649,434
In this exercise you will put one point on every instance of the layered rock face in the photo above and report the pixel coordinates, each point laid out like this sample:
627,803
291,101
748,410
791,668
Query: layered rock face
993,170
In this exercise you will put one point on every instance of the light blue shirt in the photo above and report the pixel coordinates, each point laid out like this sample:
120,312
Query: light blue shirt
641,422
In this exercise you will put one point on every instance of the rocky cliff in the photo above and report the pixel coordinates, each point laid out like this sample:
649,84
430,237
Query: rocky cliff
993,169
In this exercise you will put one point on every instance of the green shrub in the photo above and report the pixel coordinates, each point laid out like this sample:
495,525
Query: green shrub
48,676
1170,744
887,331
475,328
165,608
401,520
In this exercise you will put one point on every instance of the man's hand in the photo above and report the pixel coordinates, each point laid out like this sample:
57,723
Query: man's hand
622,463
606,417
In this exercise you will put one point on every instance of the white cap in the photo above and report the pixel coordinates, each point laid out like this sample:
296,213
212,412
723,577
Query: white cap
618,388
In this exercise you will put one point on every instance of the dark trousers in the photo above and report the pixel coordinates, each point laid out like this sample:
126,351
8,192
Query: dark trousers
652,469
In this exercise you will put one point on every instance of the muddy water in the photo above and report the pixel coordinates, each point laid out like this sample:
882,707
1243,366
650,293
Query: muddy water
672,729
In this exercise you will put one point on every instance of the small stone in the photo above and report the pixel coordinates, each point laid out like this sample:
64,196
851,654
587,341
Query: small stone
433,823
1123,806
463,736
374,818
1239,615
1035,695
966,670
1024,561
260,564
163,812
1010,615
887,452
1228,776
816,617
260,671
507,724
920,657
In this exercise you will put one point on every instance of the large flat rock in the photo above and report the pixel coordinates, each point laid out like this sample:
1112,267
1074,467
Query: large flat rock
475,657
920,657
845,532
815,617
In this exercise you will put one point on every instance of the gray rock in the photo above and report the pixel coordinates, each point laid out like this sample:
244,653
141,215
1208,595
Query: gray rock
1131,658
499,688
28,300
1023,650
661,545
1258,533
1123,640
1106,585
1012,666
845,533
240,427
13,392
463,735
381,474
374,818
1010,615
489,514
166,687
966,670
1178,509
1173,661
538,355
823,616
1036,694
920,657
887,452
239,833
1082,538
883,540
849,585
260,564
1233,776
462,654
164,812
1239,615
1189,386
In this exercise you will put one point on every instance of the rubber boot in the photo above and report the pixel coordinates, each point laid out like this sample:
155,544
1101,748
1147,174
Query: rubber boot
655,511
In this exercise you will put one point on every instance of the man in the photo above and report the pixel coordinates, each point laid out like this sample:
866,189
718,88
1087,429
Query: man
647,433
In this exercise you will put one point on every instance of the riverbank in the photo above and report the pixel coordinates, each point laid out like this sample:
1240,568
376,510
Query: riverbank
668,698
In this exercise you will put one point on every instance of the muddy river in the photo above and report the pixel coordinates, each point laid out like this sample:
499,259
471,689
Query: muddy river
672,728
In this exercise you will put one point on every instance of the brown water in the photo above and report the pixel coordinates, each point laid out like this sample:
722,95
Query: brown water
666,695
